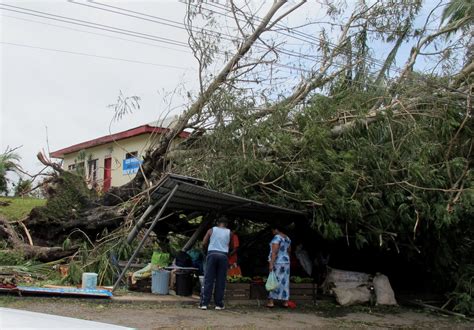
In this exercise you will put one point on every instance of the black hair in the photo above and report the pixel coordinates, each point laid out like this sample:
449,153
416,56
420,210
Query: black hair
278,226
223,220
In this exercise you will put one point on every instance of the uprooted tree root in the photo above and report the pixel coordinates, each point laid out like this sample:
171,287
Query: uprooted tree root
70,207
41,253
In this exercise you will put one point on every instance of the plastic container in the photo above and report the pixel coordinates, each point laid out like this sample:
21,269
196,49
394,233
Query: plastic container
160,281
89,280
184,284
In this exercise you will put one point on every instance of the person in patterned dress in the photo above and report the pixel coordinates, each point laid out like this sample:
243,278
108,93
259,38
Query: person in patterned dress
279,263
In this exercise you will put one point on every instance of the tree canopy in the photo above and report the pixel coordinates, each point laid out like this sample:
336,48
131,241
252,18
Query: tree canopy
8,163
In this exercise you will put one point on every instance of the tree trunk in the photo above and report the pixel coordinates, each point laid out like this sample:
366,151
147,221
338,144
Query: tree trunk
91,222
40,253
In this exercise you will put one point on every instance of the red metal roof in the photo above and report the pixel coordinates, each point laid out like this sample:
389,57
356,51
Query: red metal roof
113,137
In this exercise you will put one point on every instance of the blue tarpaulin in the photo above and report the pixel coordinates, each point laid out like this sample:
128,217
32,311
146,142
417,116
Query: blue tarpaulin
99,293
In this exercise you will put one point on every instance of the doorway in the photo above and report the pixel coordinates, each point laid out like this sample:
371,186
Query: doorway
107,174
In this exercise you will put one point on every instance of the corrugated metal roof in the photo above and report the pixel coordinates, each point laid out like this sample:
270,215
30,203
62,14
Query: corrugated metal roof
191,196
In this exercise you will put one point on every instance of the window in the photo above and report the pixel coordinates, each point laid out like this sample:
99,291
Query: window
77,167
92,170
133,154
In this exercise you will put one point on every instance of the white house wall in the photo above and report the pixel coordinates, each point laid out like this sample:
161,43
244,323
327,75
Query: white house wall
115,150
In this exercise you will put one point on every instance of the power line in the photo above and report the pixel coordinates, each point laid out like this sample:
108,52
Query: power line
93,25
180,25
307,37
93,55
257,18
166,22
371,59
136,34
112,37
98,34
315,58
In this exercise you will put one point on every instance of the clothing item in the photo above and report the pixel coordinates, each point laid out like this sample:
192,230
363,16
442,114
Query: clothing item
235,243
197,259
214,278
220,239
282,292
281,268
284,244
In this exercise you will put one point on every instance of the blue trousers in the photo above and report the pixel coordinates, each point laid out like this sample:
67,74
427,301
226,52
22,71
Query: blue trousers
215,278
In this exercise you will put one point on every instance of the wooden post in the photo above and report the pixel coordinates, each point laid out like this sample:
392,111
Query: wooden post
135,230
140,245
205,222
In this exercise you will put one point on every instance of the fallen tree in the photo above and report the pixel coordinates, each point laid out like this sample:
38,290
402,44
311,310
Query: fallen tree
381,158
28,251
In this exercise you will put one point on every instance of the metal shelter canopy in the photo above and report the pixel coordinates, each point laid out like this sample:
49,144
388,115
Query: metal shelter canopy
192,196
181,193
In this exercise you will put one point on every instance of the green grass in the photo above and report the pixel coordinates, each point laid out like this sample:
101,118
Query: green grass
19,207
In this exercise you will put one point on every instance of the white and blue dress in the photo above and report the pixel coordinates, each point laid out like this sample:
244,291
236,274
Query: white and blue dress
281,268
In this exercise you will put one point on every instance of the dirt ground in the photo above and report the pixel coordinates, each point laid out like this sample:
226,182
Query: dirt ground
153,316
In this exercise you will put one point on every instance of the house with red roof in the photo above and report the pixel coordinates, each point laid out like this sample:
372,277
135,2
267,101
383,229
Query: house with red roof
112,160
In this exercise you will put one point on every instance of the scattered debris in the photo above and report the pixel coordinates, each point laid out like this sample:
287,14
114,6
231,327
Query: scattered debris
352,288
344,279
64,291
434,308
352,296
383,291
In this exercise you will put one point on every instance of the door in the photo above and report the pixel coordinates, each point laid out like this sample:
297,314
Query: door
107,174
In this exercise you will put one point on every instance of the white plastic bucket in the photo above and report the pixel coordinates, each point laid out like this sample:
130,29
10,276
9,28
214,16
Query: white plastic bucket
89,280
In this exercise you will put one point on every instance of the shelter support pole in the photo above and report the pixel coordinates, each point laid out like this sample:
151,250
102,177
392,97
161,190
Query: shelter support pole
147,233
136,229
196,234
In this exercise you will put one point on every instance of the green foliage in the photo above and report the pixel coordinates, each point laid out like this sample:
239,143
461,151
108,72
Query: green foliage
98,260
463,294
176,241
19,208
74,275
15,264
238,279
402,182
8,163
11,258
456,10
70,196
22,187
297,279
